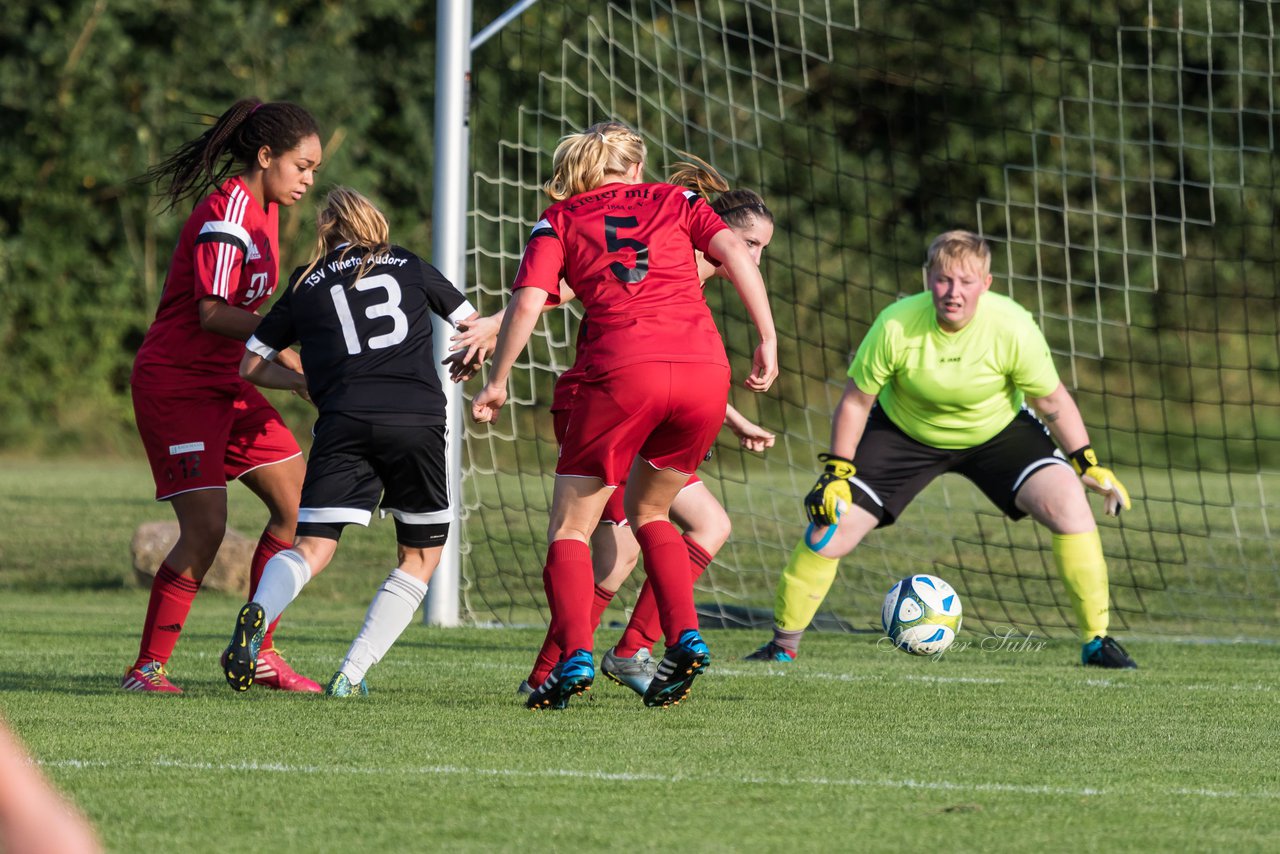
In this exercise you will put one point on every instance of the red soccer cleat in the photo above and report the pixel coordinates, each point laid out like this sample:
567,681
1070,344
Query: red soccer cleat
274,672
150,677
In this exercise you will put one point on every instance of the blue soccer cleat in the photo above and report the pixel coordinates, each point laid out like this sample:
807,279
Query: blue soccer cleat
570,678
240,659
681,664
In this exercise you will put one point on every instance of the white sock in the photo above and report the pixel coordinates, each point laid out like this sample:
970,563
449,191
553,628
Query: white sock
389,615
282,580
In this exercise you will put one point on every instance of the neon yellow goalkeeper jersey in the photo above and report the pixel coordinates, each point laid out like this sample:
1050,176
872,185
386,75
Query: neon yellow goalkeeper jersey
953,389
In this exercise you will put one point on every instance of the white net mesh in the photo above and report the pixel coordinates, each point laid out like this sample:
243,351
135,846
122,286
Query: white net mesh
1120,161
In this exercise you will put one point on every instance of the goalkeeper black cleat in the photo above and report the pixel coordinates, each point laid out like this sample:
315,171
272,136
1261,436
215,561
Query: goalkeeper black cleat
570,678
240,660
771,652
681,664
1105,652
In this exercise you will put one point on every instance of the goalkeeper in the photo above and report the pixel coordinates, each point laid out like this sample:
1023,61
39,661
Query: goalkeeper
938,385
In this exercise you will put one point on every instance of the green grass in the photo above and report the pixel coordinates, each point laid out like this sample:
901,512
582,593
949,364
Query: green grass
997,747
854,747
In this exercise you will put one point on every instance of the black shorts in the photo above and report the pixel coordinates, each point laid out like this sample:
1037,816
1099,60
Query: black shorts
353,463
892,468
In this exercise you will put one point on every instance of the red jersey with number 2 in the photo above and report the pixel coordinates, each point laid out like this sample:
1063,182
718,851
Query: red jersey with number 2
228,249
627,250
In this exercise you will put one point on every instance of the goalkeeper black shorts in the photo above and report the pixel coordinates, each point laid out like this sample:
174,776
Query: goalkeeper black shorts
354,463
893,468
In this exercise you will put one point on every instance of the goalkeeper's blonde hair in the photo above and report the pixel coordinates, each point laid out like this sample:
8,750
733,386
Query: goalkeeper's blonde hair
349,217
959,249
584,161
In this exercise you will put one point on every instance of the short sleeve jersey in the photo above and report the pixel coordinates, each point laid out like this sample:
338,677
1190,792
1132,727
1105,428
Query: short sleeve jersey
953,389
367,342
627,250
227,249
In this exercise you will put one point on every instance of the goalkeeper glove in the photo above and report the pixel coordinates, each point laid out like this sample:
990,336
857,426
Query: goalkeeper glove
830,496
1100,480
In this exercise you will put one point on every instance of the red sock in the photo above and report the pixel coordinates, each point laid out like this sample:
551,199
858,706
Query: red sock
643,629
600,600
569,582
547,658
550,653
171,598
667,564
268,546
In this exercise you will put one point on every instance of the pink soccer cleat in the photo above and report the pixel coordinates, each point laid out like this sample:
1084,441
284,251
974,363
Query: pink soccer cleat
150,677
274,672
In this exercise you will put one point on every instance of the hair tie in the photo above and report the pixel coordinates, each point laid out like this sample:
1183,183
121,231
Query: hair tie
602,139
256,107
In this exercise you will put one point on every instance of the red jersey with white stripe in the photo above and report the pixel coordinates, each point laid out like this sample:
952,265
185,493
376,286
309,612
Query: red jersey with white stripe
627,250
228,249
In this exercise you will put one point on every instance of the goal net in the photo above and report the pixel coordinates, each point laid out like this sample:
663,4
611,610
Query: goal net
1119,157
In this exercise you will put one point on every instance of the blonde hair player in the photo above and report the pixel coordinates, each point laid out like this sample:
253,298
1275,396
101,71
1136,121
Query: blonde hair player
939,384
656,383
362,311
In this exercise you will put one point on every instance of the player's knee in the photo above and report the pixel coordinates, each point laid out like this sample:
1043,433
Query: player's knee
202,536
1065,513
711,532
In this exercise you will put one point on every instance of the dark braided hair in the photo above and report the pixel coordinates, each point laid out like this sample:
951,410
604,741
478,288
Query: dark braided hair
736,207
234,140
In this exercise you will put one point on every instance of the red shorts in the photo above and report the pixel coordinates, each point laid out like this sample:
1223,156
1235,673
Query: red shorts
200,438
666,413
614,514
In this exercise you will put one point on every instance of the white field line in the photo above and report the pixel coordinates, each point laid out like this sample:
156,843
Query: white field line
637,777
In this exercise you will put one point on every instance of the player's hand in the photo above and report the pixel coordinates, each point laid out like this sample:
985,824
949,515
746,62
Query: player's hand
1101,480
753,437
460,370
485,405
831,495
477,336
764,366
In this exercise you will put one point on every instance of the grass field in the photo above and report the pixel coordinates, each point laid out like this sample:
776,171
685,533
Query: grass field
1002,745
996,747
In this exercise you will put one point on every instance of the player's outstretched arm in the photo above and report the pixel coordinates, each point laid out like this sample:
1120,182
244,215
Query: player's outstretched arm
1062,417
741,269
521,315
831,494
750,435
477,336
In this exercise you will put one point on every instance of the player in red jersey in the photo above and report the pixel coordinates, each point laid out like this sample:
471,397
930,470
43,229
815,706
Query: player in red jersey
704,524
200,423
655,387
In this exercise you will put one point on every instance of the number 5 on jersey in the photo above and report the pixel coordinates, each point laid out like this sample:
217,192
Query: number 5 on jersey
614,243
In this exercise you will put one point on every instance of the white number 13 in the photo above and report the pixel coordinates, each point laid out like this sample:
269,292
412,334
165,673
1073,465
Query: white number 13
389,308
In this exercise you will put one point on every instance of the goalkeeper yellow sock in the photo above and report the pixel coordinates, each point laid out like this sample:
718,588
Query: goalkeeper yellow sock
1083,570
803,586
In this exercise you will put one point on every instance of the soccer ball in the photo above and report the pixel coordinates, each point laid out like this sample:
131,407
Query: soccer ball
921,615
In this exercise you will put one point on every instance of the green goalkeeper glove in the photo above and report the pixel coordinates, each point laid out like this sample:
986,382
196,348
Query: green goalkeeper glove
830,496
1100,480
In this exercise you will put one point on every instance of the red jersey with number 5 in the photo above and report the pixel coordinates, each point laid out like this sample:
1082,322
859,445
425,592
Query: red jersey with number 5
627,250
228,249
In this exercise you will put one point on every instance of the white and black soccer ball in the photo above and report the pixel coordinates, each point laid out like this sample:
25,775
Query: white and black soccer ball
921,615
